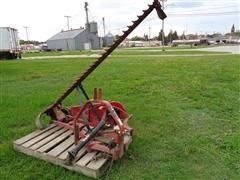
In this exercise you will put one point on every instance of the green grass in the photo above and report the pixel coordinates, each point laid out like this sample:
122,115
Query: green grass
60,53
186,114
122,52
180,47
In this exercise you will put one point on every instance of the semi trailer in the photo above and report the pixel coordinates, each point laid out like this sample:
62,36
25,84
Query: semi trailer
9,43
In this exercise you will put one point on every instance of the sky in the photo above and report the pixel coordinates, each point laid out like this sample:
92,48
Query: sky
46,17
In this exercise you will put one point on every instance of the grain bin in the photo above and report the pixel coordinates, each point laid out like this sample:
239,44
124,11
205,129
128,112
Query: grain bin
93,27
108,40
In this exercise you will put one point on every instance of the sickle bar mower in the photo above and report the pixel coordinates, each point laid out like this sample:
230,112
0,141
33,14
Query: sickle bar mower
98,124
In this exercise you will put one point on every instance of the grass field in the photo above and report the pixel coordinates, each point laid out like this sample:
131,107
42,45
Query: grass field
186,114
183,47
60,53
132,51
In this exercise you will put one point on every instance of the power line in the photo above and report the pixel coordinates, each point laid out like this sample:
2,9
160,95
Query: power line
204,9
73,18
185,15
199,14
206,14
92,15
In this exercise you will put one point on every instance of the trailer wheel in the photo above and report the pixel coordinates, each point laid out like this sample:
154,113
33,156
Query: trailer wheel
9,56
20,55
13,56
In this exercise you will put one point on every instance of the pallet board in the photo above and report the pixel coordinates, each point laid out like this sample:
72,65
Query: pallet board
53,143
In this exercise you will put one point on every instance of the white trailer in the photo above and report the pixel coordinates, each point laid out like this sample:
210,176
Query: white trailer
9,43
195,42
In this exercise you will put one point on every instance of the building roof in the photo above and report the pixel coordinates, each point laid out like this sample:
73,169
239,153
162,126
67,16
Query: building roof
8,28
66,34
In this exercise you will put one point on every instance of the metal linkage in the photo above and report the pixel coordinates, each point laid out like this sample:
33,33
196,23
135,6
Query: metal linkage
155,5
72,154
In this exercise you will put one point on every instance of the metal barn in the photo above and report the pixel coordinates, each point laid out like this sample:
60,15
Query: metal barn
75,39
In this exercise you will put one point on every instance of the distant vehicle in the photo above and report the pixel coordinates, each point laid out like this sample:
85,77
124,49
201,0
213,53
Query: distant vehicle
44,48
213,42
9,43
194,42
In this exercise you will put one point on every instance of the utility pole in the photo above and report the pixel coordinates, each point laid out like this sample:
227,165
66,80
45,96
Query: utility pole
163,38
87,18
104,28
87,26
68,17
149,36
26,29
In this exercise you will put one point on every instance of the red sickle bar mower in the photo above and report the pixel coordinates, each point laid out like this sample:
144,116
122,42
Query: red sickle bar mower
98,124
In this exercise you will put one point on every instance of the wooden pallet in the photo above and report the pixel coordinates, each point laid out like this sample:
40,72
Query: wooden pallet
52,145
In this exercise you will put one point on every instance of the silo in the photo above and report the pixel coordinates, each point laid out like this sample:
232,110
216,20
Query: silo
93,27
108,40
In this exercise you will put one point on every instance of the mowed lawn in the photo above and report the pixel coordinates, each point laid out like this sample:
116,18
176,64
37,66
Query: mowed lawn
120,52
185,109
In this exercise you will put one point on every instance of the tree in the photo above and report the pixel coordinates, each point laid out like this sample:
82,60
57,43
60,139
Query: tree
145,37
233,29
183,36
160,35
217,34
30,42
237,33
175,35
168,39
117,37
137,38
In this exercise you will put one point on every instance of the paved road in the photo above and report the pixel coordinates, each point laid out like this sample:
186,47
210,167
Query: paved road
230,49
